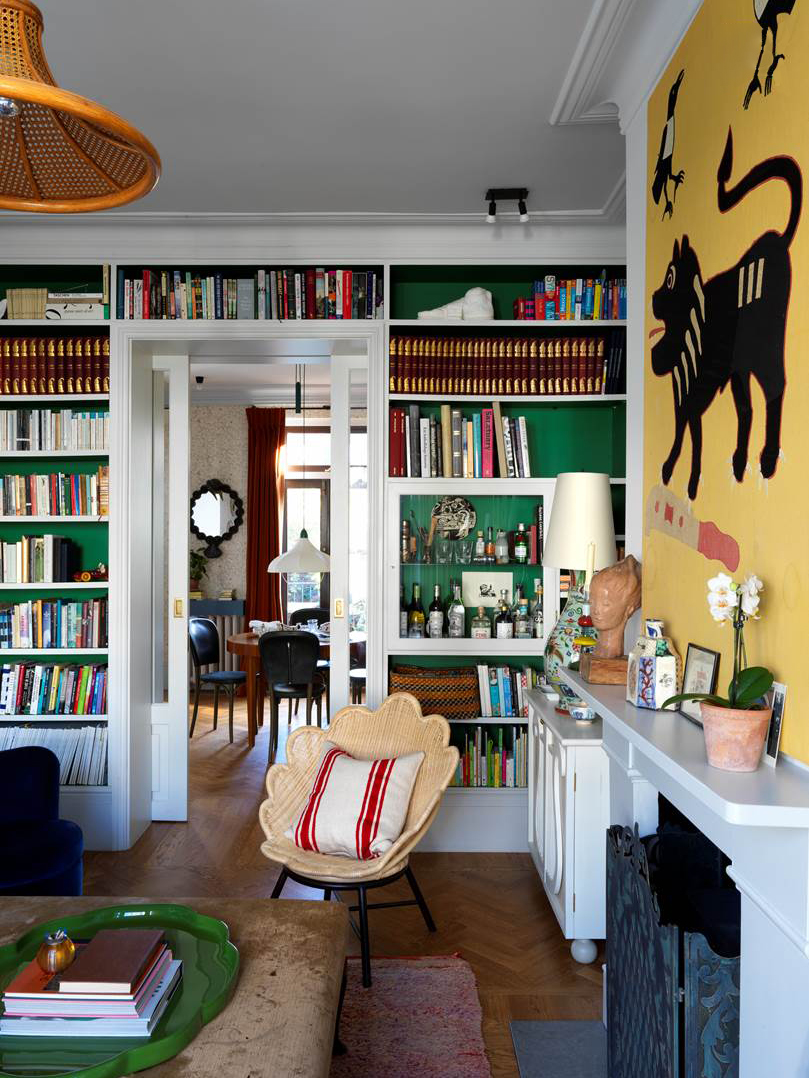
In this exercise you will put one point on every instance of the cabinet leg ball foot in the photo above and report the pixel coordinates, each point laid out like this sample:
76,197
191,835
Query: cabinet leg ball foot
584,951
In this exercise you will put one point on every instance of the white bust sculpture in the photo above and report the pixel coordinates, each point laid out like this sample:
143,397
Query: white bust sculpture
476,304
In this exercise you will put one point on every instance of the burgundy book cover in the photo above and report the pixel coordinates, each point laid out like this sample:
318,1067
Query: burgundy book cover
310,294
113,960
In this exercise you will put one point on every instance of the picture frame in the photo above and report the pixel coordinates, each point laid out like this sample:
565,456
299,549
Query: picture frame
779,693
483,588
699,675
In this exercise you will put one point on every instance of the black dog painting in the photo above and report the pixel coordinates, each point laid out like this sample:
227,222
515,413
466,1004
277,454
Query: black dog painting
767,12
728,328
664,169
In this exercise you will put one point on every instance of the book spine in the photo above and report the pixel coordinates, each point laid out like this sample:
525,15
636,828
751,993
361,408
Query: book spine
424,443
477,464
446,440
415,452
523,431
457,444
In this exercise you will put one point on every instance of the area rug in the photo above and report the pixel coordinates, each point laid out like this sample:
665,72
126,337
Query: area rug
419,1019
572,1049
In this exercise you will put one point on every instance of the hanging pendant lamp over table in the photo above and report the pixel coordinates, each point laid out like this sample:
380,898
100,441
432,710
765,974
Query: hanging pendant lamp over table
60,152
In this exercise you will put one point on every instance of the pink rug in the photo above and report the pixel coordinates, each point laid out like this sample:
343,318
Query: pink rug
419,1019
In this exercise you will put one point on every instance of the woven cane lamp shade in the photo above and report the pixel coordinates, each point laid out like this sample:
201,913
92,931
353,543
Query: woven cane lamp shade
60,152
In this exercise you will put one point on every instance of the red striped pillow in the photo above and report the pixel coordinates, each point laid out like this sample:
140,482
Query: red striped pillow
356,808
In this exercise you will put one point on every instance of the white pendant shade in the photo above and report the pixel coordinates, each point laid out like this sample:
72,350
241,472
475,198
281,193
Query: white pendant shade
302,557
581,533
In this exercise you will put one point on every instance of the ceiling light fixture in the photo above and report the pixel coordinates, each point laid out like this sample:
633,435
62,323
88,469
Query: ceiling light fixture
507,194
61,152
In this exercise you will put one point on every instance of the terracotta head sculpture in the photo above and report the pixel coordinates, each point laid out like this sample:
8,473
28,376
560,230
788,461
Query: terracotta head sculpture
615,595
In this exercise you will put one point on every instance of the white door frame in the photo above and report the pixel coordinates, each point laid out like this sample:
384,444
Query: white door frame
130,769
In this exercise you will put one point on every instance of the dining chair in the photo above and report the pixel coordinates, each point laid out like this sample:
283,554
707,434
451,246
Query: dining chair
203,637
357,675
289,662
321,615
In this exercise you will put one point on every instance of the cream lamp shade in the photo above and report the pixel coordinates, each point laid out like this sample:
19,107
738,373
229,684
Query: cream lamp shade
581,533
302,557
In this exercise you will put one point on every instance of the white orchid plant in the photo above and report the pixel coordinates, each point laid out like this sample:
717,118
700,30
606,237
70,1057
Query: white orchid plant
736,603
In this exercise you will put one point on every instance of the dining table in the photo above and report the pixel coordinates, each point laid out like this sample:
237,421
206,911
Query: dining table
245,645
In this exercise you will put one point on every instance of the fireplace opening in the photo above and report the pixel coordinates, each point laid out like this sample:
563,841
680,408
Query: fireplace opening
673,946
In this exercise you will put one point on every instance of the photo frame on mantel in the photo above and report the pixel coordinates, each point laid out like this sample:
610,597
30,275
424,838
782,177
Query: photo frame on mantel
778,694
700,674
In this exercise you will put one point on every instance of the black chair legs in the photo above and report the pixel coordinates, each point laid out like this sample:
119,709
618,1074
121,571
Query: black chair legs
365,943
196,707
419,897
279,884
215,706
231,694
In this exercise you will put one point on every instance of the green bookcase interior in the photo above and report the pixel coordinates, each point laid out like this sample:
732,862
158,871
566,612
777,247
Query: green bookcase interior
423,287
441,662
56,278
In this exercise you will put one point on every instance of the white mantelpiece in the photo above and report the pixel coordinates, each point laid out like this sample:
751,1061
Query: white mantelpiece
761,821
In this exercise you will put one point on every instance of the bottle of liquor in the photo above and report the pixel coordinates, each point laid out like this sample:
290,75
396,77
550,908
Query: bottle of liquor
435,615
501,548
402,612
481,625
456,616
503,621
490,546
405,541
521,545
415,615
536,611
479,556
523,626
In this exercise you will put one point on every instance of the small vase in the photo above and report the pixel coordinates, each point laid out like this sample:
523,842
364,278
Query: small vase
734,738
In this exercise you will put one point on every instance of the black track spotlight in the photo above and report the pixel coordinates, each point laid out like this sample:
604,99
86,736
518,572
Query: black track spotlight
491,216
199,379
506,194
523,211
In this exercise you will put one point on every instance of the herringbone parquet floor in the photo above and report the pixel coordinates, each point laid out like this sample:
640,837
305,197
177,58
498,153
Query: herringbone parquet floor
490,908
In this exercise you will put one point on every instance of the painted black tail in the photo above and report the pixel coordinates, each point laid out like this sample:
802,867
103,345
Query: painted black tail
774,168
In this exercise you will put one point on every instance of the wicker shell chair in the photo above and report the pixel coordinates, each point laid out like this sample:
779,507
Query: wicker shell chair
396,728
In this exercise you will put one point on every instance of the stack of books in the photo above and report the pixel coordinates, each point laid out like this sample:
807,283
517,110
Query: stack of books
80,750
486,760
54,623
38,559
39,365
57,494
503,690
580,299
49,430
53,689
119,985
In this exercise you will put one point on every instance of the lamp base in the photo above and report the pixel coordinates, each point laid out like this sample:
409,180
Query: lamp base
603,671
561,649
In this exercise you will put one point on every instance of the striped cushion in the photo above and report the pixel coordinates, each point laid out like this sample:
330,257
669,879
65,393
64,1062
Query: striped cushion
356,808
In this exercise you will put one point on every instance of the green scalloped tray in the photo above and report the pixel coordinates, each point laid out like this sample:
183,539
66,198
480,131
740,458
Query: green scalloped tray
210,965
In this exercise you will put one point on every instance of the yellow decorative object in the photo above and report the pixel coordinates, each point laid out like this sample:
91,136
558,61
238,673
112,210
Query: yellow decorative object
585,641
57,952
61,152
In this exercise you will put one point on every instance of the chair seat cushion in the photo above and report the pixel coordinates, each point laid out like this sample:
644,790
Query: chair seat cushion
356,808
357,674
225,677
39,853
298,692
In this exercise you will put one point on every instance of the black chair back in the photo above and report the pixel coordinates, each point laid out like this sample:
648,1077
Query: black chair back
289,656
357,653
204,639
309,613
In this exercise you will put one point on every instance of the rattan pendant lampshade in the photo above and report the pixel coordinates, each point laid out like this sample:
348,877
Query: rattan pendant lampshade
60,152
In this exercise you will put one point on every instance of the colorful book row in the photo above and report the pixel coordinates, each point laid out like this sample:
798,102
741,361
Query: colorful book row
46,429
38,365
306,293
80,750
457,446
54,623
58,494
53,689
487,761
507,365
580,298
503,690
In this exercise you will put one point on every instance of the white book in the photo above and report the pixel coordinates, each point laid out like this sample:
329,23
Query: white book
407,447
485,694
262,294
424,447
523,429
512,471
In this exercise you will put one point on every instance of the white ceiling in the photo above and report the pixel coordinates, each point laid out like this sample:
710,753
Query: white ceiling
348,106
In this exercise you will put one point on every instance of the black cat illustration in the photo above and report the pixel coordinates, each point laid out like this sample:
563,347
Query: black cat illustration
664,169
729,327
767,12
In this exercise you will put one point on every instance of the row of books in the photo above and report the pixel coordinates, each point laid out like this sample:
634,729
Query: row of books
39,365
118,985
306,293
53,689
47,429
487,760
503,690
579,298
38,559
457,446
54,623
37,304
57,494
508,365
81,750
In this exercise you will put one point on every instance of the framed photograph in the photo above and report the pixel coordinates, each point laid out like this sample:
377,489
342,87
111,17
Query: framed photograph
699,675
779,693
483,589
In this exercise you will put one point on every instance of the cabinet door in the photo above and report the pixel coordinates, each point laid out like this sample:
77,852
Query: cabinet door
536,787
554,831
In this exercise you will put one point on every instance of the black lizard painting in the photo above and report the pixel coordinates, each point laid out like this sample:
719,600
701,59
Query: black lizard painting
728,328
664,169
767,12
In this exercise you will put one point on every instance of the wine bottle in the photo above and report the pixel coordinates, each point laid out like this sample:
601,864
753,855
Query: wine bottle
435,615
523,625
490,546
503,621
402,612
521,545
415,615
479,556
536,611
456,618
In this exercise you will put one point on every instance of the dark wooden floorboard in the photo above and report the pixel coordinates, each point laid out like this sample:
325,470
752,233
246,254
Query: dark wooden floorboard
489,908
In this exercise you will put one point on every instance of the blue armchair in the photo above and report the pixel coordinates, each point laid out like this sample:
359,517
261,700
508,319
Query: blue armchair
39,853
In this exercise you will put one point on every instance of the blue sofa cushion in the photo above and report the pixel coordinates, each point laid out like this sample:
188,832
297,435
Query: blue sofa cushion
41,857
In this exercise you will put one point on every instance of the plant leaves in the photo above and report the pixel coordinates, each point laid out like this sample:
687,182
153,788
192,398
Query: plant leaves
709,698
751,685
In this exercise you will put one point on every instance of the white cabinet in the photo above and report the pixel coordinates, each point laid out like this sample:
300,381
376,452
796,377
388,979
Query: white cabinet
568,798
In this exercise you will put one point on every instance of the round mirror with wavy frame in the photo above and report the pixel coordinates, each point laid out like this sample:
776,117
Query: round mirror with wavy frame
217,513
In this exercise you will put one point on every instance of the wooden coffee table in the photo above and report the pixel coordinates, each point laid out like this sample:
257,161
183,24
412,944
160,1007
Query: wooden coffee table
281,1018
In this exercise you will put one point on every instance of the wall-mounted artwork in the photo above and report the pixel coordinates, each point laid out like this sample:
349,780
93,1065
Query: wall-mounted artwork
726,377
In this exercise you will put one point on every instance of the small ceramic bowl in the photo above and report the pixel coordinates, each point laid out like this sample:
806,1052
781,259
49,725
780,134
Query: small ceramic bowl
582,713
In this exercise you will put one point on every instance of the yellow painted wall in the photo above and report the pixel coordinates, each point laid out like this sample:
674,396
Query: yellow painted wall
769,520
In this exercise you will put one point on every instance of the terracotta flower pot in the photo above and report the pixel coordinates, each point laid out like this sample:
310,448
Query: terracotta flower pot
734,738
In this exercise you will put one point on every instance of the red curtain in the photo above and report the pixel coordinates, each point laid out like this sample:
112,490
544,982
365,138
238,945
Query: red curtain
266,436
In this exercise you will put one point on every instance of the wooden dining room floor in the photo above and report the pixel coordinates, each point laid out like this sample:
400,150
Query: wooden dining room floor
489,907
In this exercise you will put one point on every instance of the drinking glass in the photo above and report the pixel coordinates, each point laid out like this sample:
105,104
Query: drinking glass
312,625
463,551
443,551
